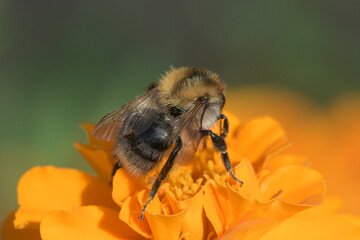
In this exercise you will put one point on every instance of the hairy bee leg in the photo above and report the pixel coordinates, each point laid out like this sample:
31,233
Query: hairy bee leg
164,171
220,146
227,164
224,129
218,142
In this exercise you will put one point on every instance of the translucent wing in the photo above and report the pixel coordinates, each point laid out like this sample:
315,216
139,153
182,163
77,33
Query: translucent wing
191,142
189,131
127,118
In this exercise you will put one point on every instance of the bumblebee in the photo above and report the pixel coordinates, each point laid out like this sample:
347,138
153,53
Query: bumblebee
178,110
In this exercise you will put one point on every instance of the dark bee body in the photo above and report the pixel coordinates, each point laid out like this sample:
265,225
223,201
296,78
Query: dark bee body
145,148
178,110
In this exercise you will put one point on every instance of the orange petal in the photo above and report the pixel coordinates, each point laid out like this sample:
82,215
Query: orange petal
295,184
125,185
155,223
259,138
281,210
9,232
131,210
240,205
245,171
166,226
252,227
90,222
279,160
331,204
276,161
43,189
193,222
307,225
162,226
216,206
100,161
129,213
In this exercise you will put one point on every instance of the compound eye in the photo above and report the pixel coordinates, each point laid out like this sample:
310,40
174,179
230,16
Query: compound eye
204,99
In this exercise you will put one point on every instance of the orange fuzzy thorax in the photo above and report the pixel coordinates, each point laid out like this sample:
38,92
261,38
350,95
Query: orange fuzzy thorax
181,86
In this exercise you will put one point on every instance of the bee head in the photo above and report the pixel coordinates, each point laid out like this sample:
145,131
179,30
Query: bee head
186,85
183,88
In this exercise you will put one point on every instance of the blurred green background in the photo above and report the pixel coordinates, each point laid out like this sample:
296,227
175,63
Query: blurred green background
66,62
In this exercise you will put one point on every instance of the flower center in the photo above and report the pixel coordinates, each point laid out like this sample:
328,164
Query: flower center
182,183
185,182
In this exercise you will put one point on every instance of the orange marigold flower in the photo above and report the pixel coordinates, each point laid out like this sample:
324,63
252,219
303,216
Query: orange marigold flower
328,135
282,198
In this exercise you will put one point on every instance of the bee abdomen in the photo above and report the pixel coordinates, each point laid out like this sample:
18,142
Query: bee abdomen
144,150
136,156
157,136
140,153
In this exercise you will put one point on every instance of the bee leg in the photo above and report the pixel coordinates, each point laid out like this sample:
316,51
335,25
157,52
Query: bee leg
224,128
220,146
227,164
164,171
